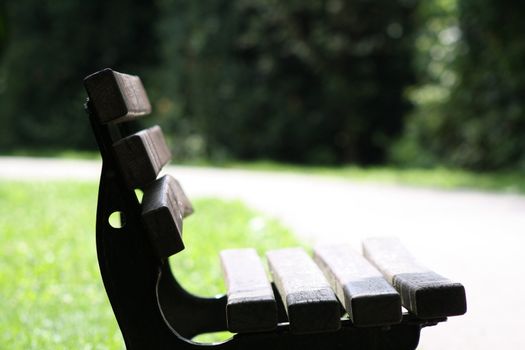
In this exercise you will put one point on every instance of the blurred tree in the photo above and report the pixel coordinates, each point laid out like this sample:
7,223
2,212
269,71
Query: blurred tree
479,120
3,44
3,28
484,124
305,81
436,46
52,46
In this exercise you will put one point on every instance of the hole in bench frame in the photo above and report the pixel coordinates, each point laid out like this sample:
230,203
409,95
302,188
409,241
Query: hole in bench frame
117,220
139,194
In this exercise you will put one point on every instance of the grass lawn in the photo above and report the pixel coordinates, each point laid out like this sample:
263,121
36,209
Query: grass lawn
51,294
444,178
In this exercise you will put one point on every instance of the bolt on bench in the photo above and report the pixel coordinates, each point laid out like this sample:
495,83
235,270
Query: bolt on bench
338,299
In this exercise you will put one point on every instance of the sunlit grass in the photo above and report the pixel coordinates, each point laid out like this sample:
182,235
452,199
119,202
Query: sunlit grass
53,153
444,178
51,294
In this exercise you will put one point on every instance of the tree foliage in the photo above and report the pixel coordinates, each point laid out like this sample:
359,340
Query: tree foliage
304,81
488,101
3,44
478,121
53,44
320,81
3,28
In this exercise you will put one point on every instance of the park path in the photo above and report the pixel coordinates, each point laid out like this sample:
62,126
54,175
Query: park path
473,237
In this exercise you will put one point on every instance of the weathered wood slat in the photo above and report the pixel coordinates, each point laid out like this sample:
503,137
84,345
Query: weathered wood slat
310,303
117,97
251,304
163,206
423,292
183,200
141,156
365,294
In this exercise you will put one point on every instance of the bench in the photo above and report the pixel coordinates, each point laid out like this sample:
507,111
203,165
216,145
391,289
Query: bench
335,299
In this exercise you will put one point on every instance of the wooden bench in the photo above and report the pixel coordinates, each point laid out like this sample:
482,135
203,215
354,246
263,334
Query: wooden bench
337,299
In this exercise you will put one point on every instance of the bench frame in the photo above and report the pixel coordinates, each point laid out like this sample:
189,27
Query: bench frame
155,312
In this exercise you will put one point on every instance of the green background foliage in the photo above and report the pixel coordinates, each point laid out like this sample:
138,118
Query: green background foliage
3,44
484,122
3,28
53,45
473,114
418,83
315,81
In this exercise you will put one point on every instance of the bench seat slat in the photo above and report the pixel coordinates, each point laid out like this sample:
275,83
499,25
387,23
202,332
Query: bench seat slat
251,304
117,97
365,294
423,292
163,206
141,156
309,300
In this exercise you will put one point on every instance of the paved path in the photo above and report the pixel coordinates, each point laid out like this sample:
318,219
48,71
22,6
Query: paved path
475,238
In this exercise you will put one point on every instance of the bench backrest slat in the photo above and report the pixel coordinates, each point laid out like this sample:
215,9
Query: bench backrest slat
117,97
163,206
141,156
423,292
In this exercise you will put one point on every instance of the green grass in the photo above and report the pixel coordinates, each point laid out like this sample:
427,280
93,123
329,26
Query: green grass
51,294
444,178
51,153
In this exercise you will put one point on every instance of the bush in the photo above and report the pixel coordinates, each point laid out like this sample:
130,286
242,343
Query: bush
3,28
478,121
52,46
301,81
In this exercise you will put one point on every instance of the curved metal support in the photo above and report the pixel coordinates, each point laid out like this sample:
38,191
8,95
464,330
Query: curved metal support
128,270
186,313
147,300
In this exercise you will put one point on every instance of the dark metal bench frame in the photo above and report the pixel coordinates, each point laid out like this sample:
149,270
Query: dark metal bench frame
155,312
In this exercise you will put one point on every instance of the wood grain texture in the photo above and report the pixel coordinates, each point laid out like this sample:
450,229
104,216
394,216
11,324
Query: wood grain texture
182,200
423,292
365,294
141,156
117,97
251,303
162,213
310,302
